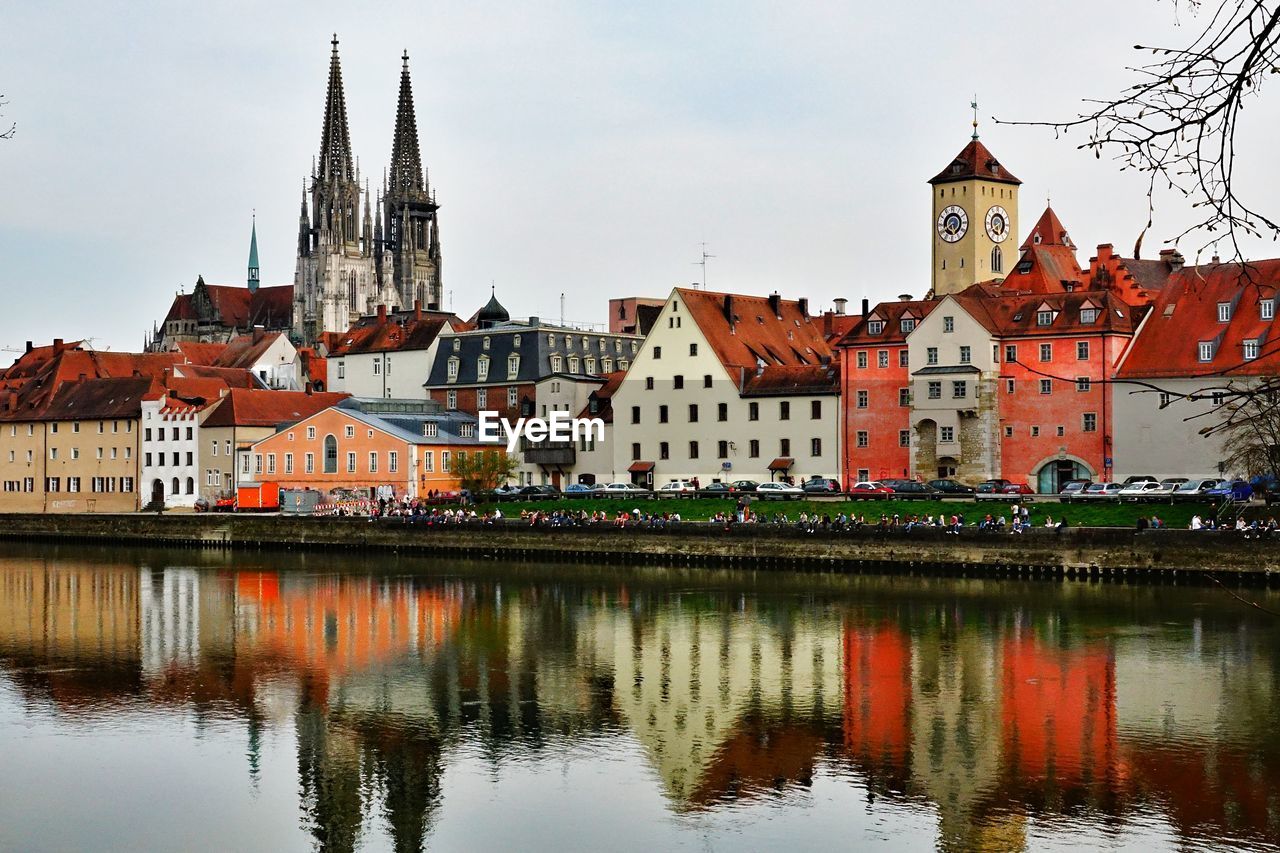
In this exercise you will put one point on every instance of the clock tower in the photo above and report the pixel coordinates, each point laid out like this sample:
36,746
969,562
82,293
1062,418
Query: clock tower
975,215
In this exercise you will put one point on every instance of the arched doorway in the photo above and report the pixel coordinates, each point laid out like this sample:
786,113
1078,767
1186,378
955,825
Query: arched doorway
1057,472
157,491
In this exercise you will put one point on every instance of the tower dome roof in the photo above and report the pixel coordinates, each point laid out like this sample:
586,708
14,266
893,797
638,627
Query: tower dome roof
975,161
492,313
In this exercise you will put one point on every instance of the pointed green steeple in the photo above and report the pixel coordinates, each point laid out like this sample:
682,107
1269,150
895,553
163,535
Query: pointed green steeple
253,256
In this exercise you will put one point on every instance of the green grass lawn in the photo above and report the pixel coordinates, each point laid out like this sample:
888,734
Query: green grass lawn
701,509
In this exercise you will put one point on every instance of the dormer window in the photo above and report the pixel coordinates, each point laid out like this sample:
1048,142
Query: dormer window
875,327
1088,315
1206,350
573,365
513,366
515,340
556,364
1267,309
1044,318
457,344
907,324
482,369
1024,267
1251,350
591,364
568,342
1224,312
453,369
551,340
485,345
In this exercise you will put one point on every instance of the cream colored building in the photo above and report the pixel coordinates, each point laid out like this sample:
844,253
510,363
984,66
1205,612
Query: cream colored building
728,387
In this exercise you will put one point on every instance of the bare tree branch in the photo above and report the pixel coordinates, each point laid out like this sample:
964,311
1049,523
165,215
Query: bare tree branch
13,126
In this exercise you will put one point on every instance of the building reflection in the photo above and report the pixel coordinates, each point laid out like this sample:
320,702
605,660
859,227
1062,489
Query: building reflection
990,714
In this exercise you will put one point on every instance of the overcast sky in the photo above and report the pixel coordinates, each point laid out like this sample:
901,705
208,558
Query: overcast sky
576,147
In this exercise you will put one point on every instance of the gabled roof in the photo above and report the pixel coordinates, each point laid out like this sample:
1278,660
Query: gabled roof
1185,313
229,377
892,313
262,408
199,353
975,161
390,333
603,397
99,399
1048,231
235,306
803,379
747,331
31,395
1016,315
247,350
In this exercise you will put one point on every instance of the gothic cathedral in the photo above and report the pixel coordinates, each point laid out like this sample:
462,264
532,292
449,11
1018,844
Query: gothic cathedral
347,264
975,215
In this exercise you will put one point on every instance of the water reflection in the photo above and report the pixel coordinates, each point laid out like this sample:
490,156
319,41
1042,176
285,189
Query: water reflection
995,716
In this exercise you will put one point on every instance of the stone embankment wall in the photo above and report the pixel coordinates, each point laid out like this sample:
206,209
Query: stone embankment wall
1083,553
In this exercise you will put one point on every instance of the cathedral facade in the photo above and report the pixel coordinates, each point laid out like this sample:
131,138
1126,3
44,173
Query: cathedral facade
348,260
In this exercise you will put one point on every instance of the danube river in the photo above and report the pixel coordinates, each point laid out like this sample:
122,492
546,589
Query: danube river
155,700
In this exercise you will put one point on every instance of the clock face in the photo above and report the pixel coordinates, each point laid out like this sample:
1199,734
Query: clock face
953,222
997,224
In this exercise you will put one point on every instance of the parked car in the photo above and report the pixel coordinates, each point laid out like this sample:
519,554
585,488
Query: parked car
1167,486
1194,489
910,489
821,486
506,490
782,491
1072,489
1017,489
677,486
1139,478
1101,491
717,488
583,490
1236,490
538,493
869,489
615,489
994,486
950,487
1139,491
743,486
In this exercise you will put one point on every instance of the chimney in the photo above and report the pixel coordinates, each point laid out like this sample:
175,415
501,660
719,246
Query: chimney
904,297
417,309
841,302
1217,260
728,309
258,334
803,304
307,386
775,302
382,314
29,346
866,308
1173,259
57,345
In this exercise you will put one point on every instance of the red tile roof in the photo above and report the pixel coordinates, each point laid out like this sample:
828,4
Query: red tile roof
246,350
975,161
30,396
1185,313
229,377
391,333
892,314
100,399
804,379
198,353
235,306
1016,315
1048,231
242,407
604,397
745,331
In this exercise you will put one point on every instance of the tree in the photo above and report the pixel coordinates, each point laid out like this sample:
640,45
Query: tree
1178,123
483,470
1249,425
13,126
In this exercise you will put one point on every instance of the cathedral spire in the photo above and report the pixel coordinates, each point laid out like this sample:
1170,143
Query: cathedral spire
406,161
335,141
253,255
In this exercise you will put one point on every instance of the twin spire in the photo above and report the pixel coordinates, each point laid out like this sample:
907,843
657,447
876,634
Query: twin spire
406,162
335,139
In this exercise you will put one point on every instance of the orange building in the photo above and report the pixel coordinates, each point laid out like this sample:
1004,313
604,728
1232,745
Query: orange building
366,448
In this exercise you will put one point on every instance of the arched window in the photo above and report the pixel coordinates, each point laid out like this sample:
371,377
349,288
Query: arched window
997,259
191,485
330,455
176,490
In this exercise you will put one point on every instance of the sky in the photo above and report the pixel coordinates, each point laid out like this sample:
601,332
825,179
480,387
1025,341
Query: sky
583,148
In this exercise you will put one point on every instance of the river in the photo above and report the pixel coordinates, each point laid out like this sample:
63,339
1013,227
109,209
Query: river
179,700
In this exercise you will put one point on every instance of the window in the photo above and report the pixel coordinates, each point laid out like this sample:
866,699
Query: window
1251,349
573,364
1046,352
1062,431
309,463
351,461
863,399
882,358
635,414
784,447
907,324
903,358
484,345
1083,383
904,438
662,414
513,397
1008,432
482,369
1224,312
657,352
664,450
948,324
863,438
1267,307
693,349
693,450
966,355
784,410
1082,350
648,383
444,461
875,327
722,449
862,359
551,340
377,366
373,461
244,468
935,390
429,461
73,484
1035,432
342,370
451,400
1088,316
815,447
1010,353
1046,386
946,434
393,461
271,463
311,433
257,463
931,355
722,411
753,448
1008,386
815,410
959,389
753,411
607,365
904,397
53,453
1206,350
693,413
590,363
513,366
1089,422
557,364
288,467
677,382
482,398
997,259
1044,318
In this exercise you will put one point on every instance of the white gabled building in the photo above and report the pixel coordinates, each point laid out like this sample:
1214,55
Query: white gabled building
729,387
388,354
170,451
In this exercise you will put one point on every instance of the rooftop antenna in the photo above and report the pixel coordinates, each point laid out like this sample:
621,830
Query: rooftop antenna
562,308
974,104
450,300
703,263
